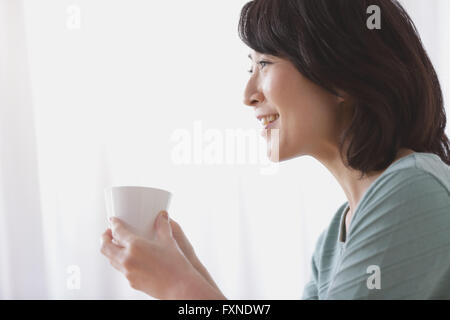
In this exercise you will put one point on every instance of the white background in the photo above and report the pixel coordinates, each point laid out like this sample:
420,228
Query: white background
85,108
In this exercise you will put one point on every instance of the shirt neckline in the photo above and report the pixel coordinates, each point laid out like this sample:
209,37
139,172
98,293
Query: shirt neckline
342,229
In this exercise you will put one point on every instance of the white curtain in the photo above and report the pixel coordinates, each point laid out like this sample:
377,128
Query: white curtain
93,93
22,255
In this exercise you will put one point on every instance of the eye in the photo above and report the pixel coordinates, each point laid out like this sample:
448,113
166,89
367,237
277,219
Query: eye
262,63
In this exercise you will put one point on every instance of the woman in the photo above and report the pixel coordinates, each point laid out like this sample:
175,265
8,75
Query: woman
367,104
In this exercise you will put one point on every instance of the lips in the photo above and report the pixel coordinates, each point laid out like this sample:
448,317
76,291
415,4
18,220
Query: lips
270,125
268,118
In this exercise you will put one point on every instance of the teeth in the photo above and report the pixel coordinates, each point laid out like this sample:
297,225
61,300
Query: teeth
268,119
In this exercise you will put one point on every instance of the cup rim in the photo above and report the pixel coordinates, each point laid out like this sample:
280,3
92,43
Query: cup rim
139,187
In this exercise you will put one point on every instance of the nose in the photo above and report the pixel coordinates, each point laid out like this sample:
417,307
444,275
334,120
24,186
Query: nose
252,95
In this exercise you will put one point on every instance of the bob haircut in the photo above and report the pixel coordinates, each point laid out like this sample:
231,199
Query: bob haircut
395,92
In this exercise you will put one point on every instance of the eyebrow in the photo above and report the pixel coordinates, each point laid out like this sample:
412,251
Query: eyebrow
250,56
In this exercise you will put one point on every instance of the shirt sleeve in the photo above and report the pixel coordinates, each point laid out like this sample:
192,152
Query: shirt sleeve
310,291
398,246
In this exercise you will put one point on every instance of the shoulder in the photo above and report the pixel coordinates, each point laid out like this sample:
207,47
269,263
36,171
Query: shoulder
403,228
402,225
405,201
422,168
434,166
407,183
421,176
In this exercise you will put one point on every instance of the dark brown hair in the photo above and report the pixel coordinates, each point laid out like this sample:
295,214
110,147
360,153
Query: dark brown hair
396,97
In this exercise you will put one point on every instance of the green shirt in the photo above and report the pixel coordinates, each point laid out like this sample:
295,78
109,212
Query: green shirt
398,242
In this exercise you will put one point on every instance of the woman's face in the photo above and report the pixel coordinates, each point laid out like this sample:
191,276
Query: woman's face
310,118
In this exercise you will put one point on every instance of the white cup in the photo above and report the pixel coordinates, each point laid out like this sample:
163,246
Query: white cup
138,207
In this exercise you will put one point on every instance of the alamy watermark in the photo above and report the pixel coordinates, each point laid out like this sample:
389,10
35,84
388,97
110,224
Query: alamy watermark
225,147
374,281
73,281
73,20
374,21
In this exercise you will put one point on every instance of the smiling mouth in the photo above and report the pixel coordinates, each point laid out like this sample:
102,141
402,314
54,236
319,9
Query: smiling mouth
270,122
267,120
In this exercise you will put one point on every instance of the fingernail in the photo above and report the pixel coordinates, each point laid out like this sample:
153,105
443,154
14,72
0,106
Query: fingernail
165,215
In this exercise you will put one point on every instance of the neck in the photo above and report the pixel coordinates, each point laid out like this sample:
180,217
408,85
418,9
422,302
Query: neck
348,178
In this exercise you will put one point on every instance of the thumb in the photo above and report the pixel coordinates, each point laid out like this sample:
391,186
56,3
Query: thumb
164,230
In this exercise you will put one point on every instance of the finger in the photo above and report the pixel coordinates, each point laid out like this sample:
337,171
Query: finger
175,226
113,240
164,231
177,232
181,239
109,249
121,232
109,232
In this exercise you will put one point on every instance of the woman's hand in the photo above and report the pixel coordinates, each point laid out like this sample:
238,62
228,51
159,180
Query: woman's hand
189,253
157,267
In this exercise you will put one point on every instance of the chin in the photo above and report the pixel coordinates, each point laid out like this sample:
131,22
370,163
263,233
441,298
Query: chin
273,157
280,159
282,156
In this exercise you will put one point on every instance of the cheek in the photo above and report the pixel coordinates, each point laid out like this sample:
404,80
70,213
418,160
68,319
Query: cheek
302,117
294,103
288,93
296,123
278,90
304,109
